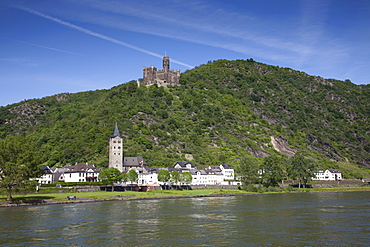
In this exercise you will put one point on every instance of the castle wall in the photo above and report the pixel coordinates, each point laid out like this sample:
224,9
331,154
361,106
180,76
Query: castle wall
163,77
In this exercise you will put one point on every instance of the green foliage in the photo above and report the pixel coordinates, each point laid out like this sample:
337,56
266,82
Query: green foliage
247,169
131,176
164,176
302,169
351,171
20,160
110,175
272,170
175,177
223,111
69,184
186,178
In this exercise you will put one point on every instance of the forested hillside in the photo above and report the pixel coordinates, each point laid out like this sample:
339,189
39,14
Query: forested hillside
223,111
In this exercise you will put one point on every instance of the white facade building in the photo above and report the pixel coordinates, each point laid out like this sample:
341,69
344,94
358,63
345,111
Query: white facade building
328,175
148,177
47,178
82,172
228,172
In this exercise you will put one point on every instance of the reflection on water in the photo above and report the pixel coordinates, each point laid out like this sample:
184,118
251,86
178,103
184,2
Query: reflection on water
273,219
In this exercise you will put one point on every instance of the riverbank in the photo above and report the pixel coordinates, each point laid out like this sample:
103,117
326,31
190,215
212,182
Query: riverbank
101,196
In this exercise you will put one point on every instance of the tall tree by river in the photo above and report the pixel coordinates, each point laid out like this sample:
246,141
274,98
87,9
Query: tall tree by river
20,160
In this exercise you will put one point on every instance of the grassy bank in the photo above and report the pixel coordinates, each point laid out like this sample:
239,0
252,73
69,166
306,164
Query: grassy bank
130,195
123,195
336,189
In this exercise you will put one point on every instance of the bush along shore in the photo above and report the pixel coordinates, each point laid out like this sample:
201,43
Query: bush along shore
101,196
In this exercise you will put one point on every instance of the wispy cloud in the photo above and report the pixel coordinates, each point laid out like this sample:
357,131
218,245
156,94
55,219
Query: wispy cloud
101,36
46,47
20,61
198,22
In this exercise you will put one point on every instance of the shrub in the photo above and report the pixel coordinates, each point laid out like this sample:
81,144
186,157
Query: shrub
68,184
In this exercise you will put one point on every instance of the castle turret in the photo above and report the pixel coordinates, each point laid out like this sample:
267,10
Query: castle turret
166,63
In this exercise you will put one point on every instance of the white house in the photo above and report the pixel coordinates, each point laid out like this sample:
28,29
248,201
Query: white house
82,172
200,177
215,177
228,172
47,178
328,175
148,176
184,165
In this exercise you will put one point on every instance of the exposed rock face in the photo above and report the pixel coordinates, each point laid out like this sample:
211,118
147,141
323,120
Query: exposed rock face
323,147
189,157
258,153
280,144
61,97
26,113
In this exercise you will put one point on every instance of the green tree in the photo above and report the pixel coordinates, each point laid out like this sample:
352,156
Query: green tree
132,176
272,170
164,176
302,169
19,161
186,178
175,177
248,170
110,175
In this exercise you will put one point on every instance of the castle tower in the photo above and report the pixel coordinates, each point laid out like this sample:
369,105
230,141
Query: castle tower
116,150
166,63
163,77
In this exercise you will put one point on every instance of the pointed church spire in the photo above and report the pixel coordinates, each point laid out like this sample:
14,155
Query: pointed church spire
115,132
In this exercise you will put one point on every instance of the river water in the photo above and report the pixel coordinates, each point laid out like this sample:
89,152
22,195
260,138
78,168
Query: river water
306,219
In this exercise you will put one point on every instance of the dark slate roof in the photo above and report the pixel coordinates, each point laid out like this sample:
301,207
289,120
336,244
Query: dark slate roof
115,132
203,172
214,168
334,171
183,164
226,166
153,170
82,167
134,161
46,169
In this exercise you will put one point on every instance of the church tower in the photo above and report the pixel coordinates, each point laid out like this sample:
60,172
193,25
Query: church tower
116,150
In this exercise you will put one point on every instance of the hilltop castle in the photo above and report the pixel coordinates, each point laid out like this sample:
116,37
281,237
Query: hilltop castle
163,77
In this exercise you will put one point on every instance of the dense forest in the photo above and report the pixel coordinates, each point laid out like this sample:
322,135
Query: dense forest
223,111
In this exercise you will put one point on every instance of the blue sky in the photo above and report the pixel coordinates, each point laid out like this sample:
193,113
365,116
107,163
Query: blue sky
55,46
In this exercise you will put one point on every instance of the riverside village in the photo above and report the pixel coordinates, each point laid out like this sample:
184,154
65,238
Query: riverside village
222,174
